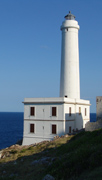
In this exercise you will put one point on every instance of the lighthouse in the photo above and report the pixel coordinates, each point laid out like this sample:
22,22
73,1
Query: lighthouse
45,118
69,79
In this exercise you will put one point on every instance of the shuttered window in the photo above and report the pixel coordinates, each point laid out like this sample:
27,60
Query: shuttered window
85,112
32,111
79,110
53,128
32,128
53,111
69,129
69,111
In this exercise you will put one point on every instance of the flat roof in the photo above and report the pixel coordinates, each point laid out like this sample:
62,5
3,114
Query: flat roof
55,100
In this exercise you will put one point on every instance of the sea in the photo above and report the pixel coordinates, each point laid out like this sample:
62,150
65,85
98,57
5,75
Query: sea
11,127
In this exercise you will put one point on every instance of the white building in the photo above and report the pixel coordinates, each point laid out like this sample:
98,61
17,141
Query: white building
45,118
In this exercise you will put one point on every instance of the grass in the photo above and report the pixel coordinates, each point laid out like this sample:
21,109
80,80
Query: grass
76,157
13,151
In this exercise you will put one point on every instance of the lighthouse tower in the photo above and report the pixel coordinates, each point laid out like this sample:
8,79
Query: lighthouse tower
69,80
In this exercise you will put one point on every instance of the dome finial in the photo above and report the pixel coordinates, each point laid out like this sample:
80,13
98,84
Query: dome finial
70,16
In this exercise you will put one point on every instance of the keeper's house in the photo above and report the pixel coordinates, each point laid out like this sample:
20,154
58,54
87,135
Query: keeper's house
45,118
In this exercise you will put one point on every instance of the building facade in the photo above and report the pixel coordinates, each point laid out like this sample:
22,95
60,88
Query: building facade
45,118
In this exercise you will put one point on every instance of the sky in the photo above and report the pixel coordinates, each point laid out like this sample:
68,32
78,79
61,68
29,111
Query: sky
30,49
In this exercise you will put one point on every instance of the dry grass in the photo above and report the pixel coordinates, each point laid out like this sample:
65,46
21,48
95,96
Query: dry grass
76,157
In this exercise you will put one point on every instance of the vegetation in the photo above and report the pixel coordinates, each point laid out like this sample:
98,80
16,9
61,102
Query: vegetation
75,157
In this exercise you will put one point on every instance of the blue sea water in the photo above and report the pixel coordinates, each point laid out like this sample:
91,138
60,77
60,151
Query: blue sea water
11,127
92,117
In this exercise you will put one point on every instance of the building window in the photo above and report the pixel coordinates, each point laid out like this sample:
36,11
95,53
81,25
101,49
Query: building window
32,111
79,110
32,130
70,129
53,111
53,128
69,111
85,112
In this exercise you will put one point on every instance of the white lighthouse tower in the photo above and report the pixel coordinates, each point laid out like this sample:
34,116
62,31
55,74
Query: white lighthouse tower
69,80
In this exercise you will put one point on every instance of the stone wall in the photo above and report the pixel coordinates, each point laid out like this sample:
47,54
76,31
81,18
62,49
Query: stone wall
99,107
91,126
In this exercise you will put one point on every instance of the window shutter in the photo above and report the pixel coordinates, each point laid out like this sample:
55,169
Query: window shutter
85,111
53,111
79,110
32,128
32,111
53,129
69,111
69,129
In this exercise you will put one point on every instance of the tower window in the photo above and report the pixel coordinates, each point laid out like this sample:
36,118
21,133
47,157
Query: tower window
53,111
53,128
69,111
32,130
32,111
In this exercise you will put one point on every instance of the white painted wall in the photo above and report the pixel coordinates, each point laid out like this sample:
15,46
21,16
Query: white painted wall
43,111
82,119
69,80
43,119
40,133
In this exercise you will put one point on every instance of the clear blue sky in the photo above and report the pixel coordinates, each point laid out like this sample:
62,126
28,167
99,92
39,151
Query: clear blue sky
30,49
